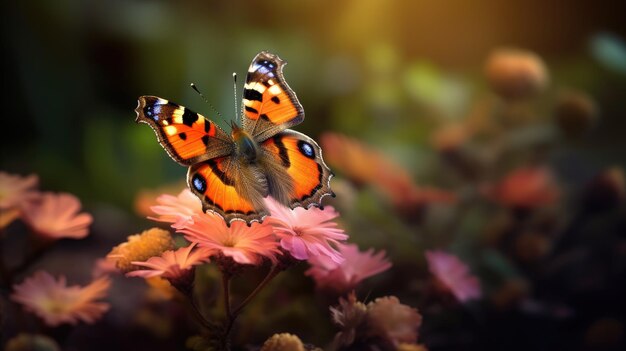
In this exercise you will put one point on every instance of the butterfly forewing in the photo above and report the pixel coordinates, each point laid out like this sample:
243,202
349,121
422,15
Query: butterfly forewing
187,137
269,105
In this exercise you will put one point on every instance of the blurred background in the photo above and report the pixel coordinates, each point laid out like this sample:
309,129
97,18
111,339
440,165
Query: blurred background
456,94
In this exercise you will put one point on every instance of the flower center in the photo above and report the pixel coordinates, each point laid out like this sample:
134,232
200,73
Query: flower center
229,242
53,306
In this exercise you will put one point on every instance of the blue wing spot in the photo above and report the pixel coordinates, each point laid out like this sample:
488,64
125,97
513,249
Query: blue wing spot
306,149
199,183
152,112
264,67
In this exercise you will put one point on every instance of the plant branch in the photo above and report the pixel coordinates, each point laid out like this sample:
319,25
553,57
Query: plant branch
193,307
270,275
226,279
232,316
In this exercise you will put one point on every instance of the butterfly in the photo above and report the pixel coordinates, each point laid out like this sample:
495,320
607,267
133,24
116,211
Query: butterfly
232,174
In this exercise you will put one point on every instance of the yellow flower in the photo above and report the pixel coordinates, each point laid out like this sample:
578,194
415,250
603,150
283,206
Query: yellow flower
411,347
160,289
8,216
140,247
283,342
24,342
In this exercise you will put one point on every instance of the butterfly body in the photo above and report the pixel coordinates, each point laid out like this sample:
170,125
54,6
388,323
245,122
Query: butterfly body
232,174
245,146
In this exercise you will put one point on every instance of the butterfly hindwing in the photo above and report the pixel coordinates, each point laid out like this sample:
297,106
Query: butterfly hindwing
269,105
227,188
301,158
187,137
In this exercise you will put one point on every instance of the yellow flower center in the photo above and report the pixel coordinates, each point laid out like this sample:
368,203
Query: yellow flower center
54,306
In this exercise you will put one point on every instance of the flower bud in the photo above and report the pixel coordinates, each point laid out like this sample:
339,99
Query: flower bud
605,191
411,347
515,74
283,342
31,342
510,293
575,113
531,246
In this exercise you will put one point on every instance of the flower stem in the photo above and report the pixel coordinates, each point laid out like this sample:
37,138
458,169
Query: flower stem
226,279
193,307
232,315
270,275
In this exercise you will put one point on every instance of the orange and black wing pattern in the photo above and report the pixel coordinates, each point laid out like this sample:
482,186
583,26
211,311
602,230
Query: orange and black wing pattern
301,157
216,183
269,105
187,137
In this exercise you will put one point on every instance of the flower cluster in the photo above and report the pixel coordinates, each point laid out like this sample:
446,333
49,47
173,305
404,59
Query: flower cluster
303,234
51,216
286,236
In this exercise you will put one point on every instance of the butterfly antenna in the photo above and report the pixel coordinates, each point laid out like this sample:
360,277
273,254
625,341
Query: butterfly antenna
193,86
235,90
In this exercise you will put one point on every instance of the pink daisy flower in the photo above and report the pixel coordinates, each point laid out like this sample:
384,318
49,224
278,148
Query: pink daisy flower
56,216
245,245
357,266
453,275
56,303
171,264
306,233
14,189
177,209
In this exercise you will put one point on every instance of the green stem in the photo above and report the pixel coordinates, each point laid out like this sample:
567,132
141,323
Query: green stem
270,275
232,316
226,279
195,311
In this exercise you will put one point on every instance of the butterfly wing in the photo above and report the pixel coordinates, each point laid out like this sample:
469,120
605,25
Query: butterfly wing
301,159
187,137
269,105
229,188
